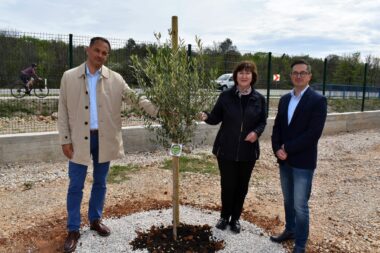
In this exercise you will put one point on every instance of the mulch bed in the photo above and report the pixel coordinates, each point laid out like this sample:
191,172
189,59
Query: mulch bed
190,238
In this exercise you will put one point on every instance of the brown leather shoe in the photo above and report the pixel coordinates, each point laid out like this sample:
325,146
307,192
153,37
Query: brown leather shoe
99,227
71,241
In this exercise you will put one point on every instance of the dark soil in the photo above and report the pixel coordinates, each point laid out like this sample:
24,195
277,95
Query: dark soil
190,238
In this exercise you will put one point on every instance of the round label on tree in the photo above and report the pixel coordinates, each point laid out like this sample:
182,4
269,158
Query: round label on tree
175,149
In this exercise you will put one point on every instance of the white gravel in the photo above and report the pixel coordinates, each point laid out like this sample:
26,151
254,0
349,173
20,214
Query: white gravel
251,239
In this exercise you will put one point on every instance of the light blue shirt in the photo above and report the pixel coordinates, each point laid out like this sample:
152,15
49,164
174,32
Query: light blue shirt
92,80
294,100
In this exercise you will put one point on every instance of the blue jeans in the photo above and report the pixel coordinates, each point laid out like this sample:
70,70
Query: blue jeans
77,176
296,184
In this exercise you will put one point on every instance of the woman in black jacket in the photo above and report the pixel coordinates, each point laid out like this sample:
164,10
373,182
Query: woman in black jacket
242,113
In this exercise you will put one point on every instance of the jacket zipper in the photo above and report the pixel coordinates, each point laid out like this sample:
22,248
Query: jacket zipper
241,128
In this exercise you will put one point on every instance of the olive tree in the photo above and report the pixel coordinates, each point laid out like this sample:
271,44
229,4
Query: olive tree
180,86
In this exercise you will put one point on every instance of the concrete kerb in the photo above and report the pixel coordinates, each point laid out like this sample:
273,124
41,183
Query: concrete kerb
45,146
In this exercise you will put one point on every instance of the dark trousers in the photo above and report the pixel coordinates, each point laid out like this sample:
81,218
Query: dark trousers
234,180
25,79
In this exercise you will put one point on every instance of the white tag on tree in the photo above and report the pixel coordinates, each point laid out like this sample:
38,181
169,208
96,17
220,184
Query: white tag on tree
175,149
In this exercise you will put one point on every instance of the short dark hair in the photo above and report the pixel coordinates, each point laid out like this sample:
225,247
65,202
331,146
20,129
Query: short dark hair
301,61
94,39
34,65
249,66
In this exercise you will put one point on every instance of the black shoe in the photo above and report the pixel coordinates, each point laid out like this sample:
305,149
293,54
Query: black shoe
284,236
71,241
235,226
222,224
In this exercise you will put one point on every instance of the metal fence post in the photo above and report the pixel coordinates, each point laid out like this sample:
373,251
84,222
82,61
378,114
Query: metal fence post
269,79
324,77
188,52
364,84
71,64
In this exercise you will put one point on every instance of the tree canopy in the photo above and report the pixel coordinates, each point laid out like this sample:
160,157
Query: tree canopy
51,53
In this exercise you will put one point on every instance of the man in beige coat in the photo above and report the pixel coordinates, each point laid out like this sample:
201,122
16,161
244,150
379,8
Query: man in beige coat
89,124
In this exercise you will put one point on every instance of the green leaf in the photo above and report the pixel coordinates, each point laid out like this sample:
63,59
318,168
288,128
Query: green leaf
179,85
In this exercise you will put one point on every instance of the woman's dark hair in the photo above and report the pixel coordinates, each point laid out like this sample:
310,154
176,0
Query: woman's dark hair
247,66
34,65
94,39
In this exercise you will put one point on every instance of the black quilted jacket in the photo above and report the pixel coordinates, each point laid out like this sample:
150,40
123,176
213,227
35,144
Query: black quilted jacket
235,125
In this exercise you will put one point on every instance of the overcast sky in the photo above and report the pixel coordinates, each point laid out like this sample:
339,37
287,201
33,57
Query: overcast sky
313,27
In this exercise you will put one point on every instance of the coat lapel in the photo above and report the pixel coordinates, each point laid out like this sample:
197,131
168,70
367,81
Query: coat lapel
286,106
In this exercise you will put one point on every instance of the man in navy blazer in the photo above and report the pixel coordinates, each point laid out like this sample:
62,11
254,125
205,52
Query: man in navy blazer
297,128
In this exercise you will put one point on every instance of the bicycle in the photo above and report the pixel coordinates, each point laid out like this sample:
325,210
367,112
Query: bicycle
39,87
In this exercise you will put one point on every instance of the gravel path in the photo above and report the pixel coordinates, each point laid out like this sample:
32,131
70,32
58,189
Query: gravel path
250,240
345,210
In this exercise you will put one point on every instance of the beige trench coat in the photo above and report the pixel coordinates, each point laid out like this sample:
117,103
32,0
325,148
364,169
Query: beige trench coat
74,113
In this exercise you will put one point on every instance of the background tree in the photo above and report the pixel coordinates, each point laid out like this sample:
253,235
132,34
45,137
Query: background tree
349,70
20,49
373,73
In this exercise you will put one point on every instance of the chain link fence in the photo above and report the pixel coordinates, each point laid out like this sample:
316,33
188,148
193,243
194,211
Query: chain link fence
341,80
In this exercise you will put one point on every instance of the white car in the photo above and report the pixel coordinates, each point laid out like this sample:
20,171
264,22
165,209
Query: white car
225,81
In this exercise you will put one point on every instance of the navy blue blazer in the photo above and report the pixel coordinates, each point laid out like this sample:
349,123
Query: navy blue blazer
300,137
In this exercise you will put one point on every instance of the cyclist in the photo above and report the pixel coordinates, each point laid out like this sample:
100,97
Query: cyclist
26,76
